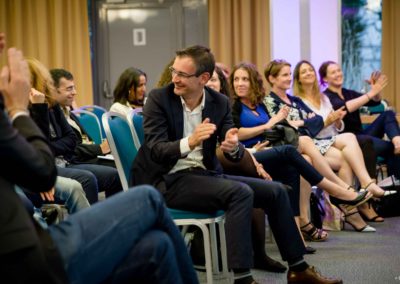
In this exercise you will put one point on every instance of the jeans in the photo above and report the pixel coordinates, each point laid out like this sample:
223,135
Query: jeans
129,237
71,193
86,178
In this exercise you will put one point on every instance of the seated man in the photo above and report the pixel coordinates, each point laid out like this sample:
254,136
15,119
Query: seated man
86,151
182,123
49,117
129,238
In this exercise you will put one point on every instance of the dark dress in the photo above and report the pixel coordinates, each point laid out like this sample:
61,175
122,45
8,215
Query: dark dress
386,123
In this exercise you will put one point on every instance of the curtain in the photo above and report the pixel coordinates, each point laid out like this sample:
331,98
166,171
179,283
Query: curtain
56,32
239,30
391,50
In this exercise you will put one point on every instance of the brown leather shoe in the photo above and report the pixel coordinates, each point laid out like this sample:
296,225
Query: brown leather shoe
310,276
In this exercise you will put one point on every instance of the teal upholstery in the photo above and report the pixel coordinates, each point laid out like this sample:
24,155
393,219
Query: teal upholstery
121,143
138,123
91,125
135,120
377,109
180,214
98,111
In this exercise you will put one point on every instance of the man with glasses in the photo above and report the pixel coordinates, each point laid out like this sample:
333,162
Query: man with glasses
86,151
182,124
75,162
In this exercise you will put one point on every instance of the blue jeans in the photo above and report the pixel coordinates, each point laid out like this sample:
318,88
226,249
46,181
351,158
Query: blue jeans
71,193
86,178
129,237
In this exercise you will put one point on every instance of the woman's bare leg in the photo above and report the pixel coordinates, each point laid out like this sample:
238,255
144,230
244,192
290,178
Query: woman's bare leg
332,183
348,145
346,174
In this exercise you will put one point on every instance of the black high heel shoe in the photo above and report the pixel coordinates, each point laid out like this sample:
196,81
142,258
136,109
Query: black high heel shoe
375,216
364,229
361,198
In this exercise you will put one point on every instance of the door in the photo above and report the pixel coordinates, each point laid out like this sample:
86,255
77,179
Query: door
142,34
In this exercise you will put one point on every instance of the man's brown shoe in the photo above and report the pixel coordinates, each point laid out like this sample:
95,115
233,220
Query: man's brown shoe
310,276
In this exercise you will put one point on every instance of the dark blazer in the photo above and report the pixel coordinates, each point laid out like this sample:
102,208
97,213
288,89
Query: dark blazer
26,161
84,153
163,130
55,127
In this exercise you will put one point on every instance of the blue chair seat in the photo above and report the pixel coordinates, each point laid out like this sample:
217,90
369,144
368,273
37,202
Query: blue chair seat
181,214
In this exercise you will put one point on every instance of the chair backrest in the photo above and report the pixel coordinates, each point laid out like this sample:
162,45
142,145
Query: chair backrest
135,120
98,111
91,124
121,143
378,108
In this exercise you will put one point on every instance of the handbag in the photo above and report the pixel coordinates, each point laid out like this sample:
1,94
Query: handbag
282,133
244,167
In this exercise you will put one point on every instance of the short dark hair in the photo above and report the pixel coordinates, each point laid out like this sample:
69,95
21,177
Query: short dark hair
57,74
202,57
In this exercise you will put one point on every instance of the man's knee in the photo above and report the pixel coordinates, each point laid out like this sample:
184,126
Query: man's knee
76,186
87,177
245,192
157,245
146,193
280,191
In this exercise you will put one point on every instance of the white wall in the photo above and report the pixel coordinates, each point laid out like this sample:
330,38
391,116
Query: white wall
325,31
305,29
285,30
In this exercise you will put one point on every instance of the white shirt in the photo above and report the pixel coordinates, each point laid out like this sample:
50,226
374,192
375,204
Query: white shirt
192,158
324,110
120,108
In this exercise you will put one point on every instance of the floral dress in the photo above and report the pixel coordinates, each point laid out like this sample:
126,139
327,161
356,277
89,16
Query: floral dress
300,111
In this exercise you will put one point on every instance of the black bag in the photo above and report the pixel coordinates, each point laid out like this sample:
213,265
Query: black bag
282,133
317,210
389,206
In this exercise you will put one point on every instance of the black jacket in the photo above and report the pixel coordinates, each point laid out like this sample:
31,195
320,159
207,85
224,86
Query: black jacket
163,130
27,253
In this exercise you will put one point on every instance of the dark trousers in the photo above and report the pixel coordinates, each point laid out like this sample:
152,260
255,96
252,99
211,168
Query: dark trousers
386,123
285,164
94,179
107,177
205,191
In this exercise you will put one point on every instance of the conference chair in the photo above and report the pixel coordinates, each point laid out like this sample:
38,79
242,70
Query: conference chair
120,137
98,111
91,124
135,120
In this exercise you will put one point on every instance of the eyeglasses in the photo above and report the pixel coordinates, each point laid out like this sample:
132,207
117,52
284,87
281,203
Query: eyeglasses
69,89
181,74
